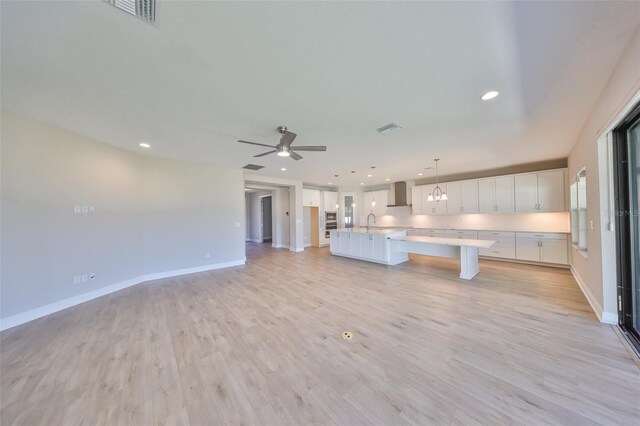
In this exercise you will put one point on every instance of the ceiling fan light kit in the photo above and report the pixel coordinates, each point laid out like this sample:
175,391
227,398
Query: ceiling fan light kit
284,148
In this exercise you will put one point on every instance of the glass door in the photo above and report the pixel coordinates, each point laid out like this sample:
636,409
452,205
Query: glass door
627,161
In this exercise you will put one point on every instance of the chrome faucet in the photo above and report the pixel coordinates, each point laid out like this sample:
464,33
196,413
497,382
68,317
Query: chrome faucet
374,220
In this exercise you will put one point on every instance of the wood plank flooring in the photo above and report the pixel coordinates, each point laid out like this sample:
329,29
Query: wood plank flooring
260,344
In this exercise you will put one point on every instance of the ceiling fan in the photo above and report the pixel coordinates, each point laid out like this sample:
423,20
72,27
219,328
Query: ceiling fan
284,148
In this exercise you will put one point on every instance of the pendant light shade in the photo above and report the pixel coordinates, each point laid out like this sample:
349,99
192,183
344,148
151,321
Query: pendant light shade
437,194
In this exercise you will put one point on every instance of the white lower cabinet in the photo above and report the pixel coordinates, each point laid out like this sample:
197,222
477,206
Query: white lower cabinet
544,247
505,247
432,233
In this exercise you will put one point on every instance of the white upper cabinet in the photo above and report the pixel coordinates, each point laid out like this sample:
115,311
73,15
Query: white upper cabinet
416,200
329,200
311,198
469,199
495,195
551,191
487,195
454,197
504,194
380,198
540,192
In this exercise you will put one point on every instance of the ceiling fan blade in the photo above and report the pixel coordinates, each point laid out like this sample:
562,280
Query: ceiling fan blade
287,138
265,153
309,148
255,143
294,155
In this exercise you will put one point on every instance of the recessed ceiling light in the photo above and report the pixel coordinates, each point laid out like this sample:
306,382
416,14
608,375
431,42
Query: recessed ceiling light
489,95
329,183
361,183
144,145
419,174
369,175
283,169
387,179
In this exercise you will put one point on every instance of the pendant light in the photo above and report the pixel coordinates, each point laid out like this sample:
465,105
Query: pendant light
373,200
437,194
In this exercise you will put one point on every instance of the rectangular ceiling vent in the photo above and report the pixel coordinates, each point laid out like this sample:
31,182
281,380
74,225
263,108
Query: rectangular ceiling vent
143,9
253,167
389,128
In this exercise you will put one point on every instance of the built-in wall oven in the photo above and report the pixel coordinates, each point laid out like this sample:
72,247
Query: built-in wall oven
330,223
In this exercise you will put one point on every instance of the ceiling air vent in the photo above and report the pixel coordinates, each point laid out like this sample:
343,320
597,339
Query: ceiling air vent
389,128
144,9
253,167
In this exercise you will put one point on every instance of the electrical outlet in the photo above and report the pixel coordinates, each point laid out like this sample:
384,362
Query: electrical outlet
77,209
85,209
85,278
77,279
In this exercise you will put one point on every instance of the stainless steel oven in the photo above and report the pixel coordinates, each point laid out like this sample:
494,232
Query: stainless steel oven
330,223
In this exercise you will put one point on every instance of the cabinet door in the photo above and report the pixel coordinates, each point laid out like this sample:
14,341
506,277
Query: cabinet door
504,194
554,251
345,243
381,203
364,245
334,242
454,197
528,249
487,195
526,192
551,191
433,207
416,200
367,199
377,247
469,196
330,199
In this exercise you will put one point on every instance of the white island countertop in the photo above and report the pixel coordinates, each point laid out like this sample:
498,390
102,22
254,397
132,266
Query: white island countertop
448,241
374,231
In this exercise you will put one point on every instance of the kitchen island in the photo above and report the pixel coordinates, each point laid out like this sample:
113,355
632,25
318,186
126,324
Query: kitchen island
373,245
392,246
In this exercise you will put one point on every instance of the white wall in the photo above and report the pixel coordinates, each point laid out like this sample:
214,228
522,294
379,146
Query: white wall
151,216
590,272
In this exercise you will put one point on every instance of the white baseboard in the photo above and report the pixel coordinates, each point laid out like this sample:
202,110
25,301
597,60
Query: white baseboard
605,317
296,250
255,240
30,315
286,246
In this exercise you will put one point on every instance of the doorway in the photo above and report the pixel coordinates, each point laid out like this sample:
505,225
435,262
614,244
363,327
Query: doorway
626,151
266,214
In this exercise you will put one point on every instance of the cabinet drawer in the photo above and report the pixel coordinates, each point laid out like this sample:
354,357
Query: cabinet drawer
503,252
542,235
414,232
432,232
494,234
456,233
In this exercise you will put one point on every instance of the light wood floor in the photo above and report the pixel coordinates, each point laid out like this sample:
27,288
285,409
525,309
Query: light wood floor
260,344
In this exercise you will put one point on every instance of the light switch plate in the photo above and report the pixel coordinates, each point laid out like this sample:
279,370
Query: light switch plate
77,209
85,209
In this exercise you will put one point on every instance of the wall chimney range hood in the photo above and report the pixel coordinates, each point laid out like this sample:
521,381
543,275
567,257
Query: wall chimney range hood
400,190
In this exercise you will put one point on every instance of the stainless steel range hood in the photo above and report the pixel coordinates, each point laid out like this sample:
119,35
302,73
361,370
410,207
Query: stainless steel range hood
400,190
